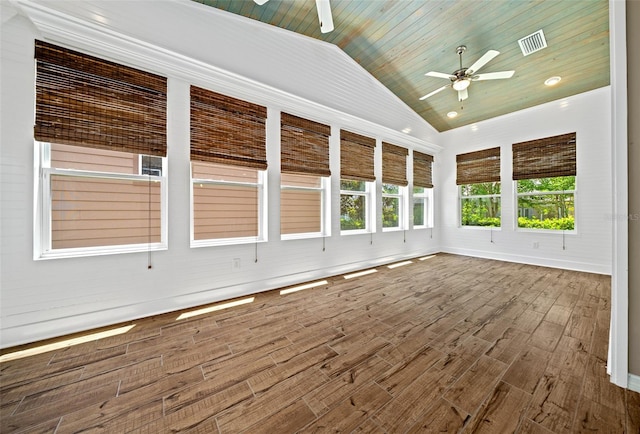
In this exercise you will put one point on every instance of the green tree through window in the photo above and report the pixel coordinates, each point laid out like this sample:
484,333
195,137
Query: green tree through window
546,203
480,204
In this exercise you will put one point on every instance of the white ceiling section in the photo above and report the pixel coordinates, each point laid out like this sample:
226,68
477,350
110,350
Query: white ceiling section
277,60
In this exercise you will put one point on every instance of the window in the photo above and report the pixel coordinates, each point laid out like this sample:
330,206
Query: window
101,185
356,184
422,190
394,182
304,182
228,204
301,204
544,171
228,163
480,204
96,201
392,206
421,209
151,165
355,199
546,203
478,178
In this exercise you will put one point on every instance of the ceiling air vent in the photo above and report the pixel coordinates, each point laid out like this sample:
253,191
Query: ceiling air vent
532,43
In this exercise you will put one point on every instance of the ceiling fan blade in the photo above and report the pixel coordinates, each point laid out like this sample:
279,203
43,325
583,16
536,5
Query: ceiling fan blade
482,61
440,75
260,2
463,94
493,75
324,15
434,92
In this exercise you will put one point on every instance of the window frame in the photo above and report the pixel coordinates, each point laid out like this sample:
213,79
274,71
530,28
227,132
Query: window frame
402,205
517,195
43,210
462,197
261,186
325,217
368,194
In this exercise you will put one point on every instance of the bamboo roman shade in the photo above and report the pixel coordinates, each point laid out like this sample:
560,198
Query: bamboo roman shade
545,158
394,164
86,101
356,157
304,146
227,130
422,175
478,167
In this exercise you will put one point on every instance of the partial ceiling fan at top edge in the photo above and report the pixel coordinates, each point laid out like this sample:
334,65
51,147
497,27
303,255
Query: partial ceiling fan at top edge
324,14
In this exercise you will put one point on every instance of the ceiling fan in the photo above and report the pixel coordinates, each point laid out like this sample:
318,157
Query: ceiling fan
462,78
324,14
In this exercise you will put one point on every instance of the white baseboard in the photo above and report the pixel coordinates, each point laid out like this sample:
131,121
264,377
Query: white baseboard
634,383
40,330
531,260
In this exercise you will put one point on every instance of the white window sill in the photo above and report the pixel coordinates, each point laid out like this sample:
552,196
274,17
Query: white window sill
90,251
547,231
392,229
354,232
303,236
195,244
481,228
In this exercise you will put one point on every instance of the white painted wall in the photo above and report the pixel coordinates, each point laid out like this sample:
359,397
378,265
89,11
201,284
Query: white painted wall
46,298
41,299
587,114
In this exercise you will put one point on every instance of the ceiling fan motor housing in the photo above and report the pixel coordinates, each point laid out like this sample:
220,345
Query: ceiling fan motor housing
459,74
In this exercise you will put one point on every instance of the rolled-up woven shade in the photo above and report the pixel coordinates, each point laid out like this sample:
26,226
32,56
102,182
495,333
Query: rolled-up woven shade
394,164
545,158
477,167
422,176
304,146
227,130
357,157
86,101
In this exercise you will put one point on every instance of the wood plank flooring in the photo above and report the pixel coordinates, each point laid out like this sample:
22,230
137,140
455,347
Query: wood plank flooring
448,344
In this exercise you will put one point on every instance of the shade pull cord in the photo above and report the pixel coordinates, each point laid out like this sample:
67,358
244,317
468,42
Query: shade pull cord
323,244
431,233
563,229
491,234
371,238
404,236
149,265
256,251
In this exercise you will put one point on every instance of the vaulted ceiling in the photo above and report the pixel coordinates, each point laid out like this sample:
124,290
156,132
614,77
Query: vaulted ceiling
398,41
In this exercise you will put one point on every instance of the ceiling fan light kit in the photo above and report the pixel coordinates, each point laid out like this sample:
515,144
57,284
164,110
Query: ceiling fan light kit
461,84
461,78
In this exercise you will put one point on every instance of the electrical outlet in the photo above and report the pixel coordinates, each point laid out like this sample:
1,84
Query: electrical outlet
235,264
536,244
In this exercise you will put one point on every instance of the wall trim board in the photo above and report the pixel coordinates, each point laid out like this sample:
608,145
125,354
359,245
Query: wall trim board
618,357
57,27
41,330
530,260
633,383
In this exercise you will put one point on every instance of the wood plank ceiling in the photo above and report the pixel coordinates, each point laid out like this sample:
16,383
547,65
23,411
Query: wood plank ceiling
398,41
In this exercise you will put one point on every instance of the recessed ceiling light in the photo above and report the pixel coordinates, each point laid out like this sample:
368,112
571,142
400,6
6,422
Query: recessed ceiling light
452,114
551,81
406,130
